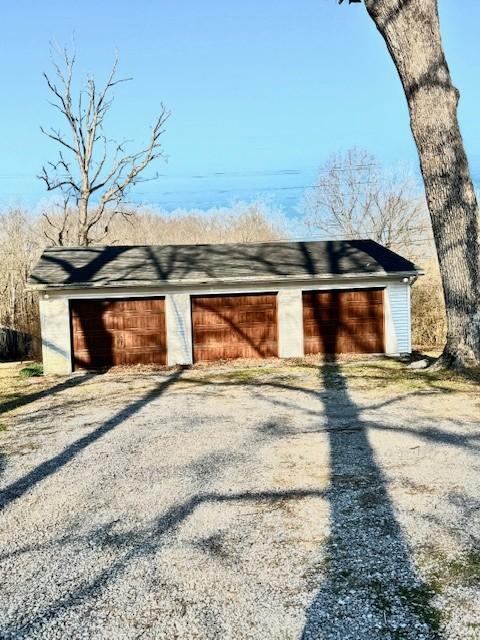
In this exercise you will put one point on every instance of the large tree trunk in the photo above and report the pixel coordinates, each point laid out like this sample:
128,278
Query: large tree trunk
411,31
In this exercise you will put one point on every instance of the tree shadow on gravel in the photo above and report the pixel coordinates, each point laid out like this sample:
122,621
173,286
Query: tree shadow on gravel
371,589
18,488
134,545
20,401
3,462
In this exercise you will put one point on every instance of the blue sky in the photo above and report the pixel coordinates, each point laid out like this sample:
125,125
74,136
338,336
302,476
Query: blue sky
260,92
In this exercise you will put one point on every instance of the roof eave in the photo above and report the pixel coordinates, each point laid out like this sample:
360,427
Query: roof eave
222,281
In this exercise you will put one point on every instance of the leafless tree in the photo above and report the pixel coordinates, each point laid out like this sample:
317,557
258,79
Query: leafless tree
20,247
24,234
92,173
411,31
355,198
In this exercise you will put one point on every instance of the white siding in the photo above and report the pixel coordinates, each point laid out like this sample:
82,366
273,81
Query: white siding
55,322
398,307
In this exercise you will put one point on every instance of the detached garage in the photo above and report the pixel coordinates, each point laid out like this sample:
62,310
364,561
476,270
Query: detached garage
178,304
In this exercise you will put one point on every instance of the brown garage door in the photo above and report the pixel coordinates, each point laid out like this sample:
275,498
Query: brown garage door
343,321
116,332
234,326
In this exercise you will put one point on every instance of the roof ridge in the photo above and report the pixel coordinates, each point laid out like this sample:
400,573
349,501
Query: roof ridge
206,244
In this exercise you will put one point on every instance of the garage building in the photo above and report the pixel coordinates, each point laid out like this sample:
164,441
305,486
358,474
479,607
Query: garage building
178,304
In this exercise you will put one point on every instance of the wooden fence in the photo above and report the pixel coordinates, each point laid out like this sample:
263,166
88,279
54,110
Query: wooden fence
17,345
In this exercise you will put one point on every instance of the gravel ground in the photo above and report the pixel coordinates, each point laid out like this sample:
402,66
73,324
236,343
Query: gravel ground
190,505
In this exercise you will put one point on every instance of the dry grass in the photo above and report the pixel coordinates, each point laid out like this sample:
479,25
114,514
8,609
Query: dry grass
429,327
446,567
360,374
378,374
17,390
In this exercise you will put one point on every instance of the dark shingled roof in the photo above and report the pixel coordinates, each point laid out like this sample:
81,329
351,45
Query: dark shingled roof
113,266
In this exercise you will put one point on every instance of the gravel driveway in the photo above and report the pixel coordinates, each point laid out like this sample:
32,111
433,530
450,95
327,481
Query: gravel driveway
283,503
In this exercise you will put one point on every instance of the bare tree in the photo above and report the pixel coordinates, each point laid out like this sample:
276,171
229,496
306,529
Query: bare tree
411,31
355,198
93,173
20,247
23,235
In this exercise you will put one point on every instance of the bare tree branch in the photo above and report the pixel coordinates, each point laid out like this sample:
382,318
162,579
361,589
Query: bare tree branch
355,198
59,224
105,171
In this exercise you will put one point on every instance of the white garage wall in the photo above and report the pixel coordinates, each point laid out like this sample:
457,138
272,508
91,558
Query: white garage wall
55,318
55,324
397,306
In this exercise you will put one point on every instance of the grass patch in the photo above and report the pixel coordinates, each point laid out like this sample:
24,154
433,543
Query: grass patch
385,373
463,569
17,389
20,449
244,375
247,375
32,370
419,599
378,373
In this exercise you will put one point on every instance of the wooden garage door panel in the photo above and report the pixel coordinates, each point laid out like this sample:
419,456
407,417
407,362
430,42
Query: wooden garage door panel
234,326
219,318
343,321
116,332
